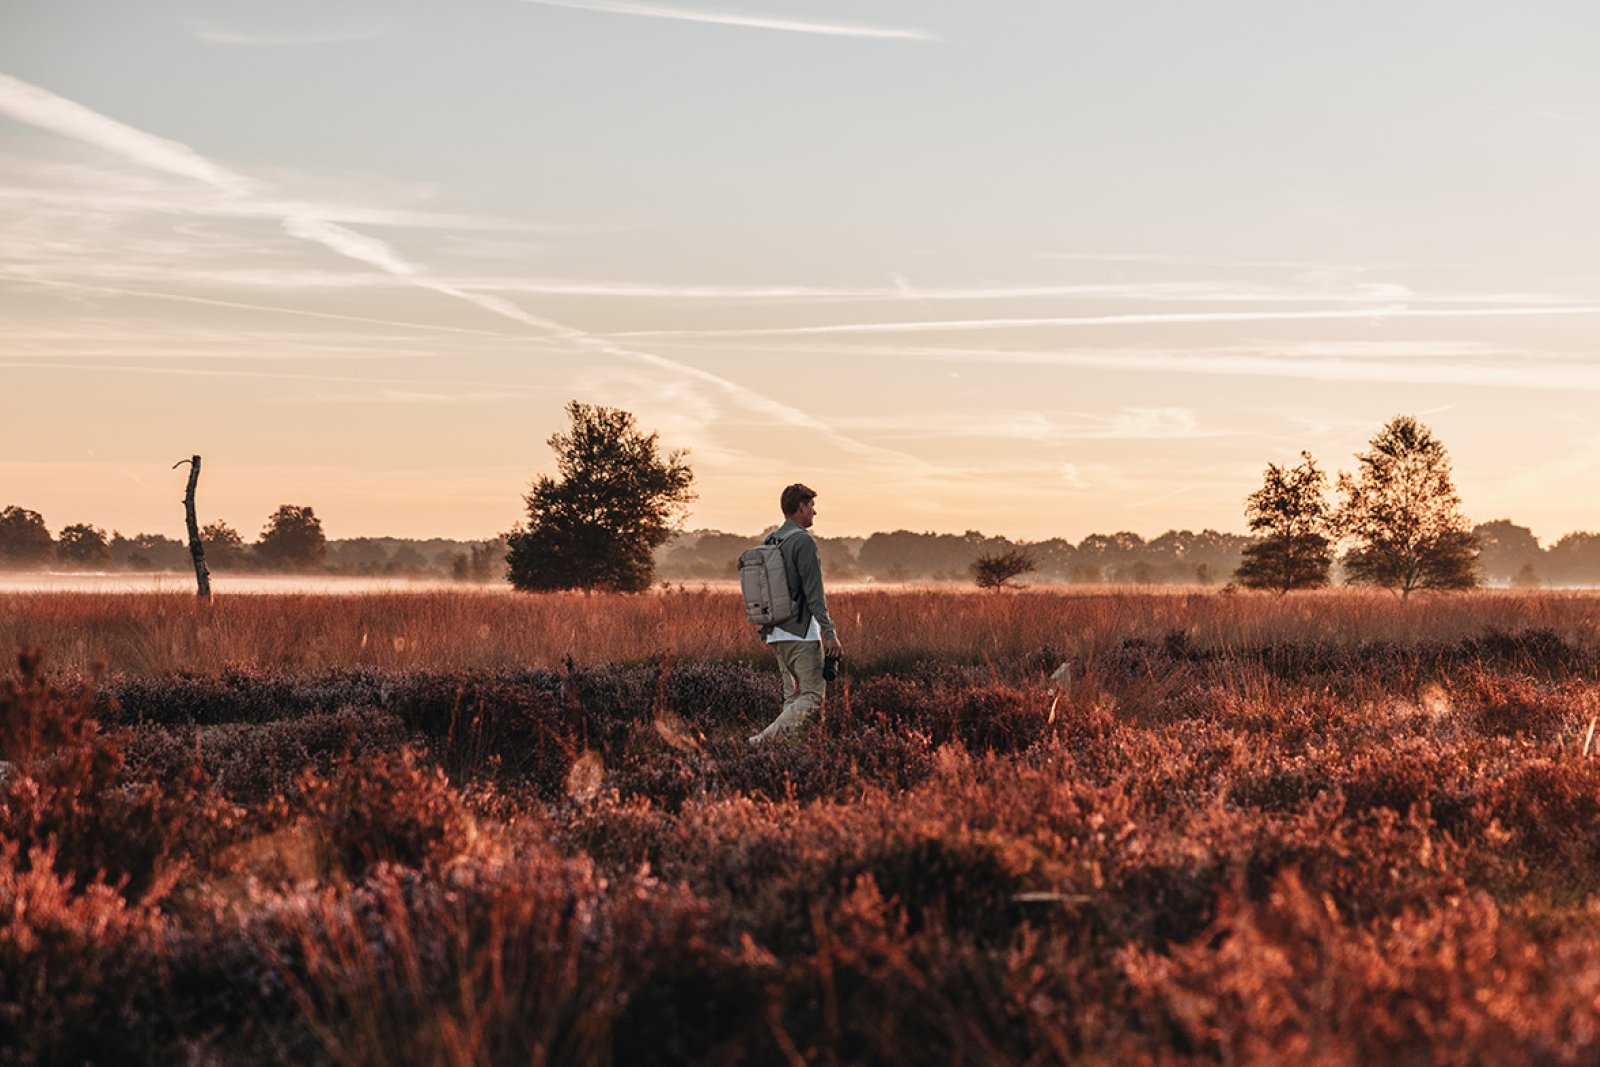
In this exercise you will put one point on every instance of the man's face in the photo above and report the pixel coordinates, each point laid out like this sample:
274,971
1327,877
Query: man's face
805,514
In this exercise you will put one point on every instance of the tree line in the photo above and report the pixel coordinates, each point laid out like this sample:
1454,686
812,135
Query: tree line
1394,522
1175,557
612,518
292,541
1508,555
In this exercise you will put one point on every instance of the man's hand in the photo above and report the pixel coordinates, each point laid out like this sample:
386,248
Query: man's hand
832,647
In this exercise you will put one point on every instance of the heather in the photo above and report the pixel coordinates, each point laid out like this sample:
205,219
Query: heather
1160,829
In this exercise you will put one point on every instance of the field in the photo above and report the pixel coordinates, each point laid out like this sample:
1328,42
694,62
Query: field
1046,827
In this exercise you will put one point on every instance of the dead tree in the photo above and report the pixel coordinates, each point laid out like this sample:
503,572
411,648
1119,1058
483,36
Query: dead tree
197,548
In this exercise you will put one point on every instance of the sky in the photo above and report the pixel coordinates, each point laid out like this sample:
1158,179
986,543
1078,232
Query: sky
1036,268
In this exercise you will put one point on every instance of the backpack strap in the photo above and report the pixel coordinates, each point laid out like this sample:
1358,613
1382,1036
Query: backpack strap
774,539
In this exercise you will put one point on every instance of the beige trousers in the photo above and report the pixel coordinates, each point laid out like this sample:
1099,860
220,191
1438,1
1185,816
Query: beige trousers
800,664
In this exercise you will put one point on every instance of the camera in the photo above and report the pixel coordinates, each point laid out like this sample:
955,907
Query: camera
830,668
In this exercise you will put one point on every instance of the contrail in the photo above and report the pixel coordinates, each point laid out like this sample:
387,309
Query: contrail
39,107
241,305
1140,319
683,14
44,109
228,372
1541,376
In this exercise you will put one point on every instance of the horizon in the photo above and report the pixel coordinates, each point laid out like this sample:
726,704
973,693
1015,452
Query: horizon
1050,272
181,538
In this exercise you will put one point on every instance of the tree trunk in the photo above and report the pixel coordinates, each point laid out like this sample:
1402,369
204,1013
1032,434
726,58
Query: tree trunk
197,549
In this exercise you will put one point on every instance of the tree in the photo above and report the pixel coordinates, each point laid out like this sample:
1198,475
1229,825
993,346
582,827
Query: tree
148,552
485,562
292,539
1575,559
998,570
1084,573
1290,515
224,547
83,545
1403,514
1506,549
598,525
25,540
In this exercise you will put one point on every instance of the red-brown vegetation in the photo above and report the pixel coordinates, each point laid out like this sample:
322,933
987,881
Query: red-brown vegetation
1234,830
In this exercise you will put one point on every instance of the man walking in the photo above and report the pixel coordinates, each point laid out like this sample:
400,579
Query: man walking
800,641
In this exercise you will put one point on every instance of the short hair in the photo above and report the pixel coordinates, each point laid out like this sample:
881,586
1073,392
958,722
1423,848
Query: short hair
795,495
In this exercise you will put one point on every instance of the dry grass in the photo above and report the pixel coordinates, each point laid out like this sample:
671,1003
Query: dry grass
158,634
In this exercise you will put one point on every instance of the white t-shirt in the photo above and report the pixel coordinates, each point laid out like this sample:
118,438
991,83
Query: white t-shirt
779,634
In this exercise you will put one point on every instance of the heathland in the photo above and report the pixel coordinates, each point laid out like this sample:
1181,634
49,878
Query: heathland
1043,827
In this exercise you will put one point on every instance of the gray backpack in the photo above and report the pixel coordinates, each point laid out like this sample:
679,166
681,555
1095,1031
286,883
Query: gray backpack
764,583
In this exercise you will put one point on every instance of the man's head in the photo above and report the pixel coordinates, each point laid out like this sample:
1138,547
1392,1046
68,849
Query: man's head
799,504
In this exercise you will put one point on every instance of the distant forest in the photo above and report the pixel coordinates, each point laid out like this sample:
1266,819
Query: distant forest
398,557
1510,555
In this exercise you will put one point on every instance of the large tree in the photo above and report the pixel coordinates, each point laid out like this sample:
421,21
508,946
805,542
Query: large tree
598,524
25,540
1401,511
292,539
83,545
1290,515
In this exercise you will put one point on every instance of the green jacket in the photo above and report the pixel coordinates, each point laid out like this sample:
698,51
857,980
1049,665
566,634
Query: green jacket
800,562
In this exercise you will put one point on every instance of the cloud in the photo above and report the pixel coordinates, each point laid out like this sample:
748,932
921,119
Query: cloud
904,291
80,196
69,211
1127,424
435,398
1163,497
1171,259
1151,424
500,389
39,107
720,18
1072,477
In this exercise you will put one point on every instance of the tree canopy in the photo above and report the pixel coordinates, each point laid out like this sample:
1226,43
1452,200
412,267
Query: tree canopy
25,540
292,539
225,549
83,545
597,525
1290,514
998,570
1401,511
1506,550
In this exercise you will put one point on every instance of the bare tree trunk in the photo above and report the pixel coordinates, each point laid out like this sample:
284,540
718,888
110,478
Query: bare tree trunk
197,549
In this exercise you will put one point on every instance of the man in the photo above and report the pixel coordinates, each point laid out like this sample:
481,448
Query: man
800,641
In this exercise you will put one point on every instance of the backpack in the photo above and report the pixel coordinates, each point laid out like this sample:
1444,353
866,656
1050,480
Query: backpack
764,583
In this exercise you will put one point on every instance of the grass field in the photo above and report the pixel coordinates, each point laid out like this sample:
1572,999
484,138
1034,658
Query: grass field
154,634
1049,827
